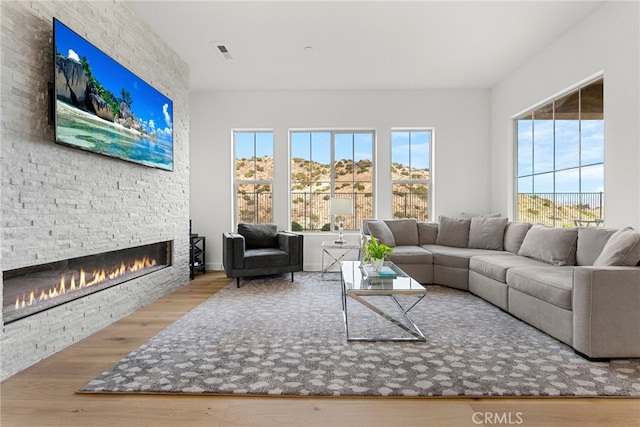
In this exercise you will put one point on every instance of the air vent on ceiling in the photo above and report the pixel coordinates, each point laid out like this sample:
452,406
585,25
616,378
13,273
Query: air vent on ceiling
223,50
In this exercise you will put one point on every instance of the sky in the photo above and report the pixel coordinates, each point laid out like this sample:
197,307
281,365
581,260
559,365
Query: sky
567,156
317,146
406,148
149,105
411,148
248,143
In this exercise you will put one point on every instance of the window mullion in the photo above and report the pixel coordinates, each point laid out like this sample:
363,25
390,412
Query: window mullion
327,146
570,144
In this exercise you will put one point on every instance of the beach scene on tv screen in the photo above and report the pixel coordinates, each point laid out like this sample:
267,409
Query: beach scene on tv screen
103,107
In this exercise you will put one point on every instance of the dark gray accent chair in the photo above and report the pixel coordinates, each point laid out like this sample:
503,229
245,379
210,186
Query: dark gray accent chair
259,250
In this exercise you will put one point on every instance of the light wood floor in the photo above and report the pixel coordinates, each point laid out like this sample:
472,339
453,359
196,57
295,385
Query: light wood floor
44,395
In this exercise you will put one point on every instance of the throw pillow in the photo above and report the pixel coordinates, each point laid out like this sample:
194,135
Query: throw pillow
405,231
591,241
259,235
427,233
552,245
381,231
514,234
453,232
487,233
623,248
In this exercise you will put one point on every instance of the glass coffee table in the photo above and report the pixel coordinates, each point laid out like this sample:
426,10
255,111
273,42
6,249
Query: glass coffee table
359,283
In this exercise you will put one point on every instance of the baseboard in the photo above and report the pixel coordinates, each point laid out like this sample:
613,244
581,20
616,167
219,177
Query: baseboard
592,359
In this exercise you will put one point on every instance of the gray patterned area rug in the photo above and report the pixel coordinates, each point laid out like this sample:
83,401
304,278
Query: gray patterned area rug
277,337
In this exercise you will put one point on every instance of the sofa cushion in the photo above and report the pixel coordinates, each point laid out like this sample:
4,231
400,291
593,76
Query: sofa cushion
552,245
453,232
259,235
514,234
551,284
478,215
405,231
265,258
450,256
591,241
427,233
411,255
495,266
487,233
623,248
381,231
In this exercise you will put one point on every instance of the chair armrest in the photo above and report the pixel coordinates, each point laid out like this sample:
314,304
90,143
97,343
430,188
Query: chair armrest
292,243
606,311
232,251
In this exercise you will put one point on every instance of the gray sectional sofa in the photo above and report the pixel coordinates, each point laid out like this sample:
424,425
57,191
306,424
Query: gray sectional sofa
579,285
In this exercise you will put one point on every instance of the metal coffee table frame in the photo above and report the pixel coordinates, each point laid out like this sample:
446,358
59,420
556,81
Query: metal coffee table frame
355,286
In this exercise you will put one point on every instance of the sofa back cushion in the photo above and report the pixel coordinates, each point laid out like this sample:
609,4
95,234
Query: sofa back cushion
514,234
552,245
427,233
259,235
481,215
591,241
381,231
405,231
453,232
487,233
623,248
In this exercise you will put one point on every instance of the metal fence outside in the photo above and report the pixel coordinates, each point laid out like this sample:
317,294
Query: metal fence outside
256,207
312,211
560,209
410,205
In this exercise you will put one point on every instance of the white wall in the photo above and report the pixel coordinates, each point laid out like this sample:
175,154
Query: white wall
606,41
461,168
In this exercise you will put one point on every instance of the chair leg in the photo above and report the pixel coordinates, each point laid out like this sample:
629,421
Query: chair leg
292,276
238,282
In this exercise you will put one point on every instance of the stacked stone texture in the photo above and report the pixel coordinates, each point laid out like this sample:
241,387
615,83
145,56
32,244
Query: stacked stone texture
60,203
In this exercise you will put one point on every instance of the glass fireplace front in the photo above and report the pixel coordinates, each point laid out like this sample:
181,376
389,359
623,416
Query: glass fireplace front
30,290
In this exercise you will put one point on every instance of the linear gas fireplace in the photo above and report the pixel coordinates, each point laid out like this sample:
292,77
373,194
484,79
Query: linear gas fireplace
29,290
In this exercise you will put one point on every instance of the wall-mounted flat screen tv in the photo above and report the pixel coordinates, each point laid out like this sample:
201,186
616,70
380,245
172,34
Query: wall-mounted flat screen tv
102,107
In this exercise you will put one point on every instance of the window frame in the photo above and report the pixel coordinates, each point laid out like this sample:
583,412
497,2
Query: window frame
353,219
427,182
237,182
529,114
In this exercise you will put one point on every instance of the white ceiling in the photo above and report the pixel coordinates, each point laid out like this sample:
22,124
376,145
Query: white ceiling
357,44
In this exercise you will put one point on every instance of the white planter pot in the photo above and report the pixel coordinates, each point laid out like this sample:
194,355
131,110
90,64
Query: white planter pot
377,263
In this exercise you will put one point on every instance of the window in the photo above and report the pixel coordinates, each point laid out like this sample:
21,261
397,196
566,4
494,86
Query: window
560,160
411,173
253,176
326,164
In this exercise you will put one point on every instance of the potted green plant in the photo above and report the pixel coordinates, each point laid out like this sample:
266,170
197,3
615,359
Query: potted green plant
376,252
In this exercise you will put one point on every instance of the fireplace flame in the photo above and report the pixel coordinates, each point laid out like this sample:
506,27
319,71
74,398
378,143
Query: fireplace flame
83,280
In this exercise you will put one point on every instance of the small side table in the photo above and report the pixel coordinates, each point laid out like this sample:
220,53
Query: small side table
335,252
197,252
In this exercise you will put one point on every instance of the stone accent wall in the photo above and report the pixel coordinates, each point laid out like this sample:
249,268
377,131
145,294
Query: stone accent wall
59,202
